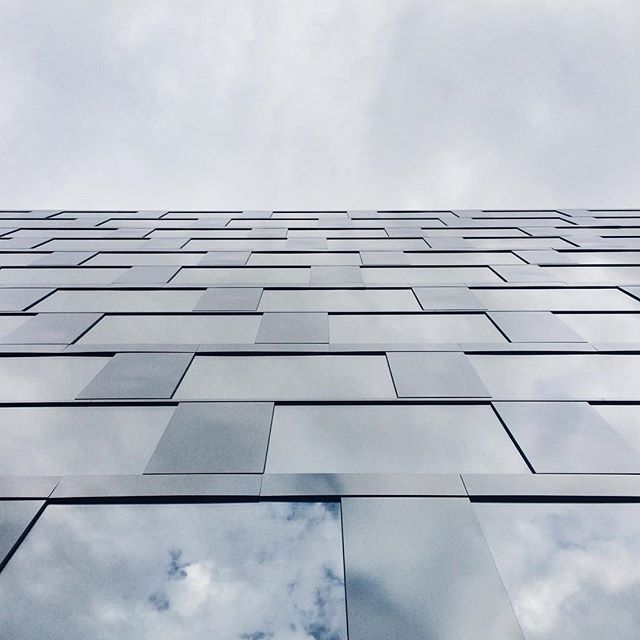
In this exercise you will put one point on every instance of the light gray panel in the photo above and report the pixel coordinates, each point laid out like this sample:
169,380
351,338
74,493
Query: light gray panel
20,299
225,258
256,276
147,258
305,259
414,328
339,300
567,437
447,299
605,327
79,440
46,378
335,275
286,377
558,299
435,375
560,377
229,299
294,328
173,329
114,300
382,258
428,275
58,276
569,569
390,439
359,484
420,568
138,375
625,419
63,258
148,275
214,437
51,328
534,326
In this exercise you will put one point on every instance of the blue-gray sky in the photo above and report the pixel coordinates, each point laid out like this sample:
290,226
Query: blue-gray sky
319,105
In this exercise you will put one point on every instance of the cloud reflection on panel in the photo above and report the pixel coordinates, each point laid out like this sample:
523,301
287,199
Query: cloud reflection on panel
572,571
178,571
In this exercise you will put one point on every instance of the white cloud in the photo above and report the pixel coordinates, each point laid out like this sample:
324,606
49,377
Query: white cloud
337,104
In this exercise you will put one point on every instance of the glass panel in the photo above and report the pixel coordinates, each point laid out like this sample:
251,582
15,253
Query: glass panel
571,570
390,439
83,440
420,568
178,571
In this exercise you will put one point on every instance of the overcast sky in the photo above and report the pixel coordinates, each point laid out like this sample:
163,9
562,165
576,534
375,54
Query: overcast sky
319,104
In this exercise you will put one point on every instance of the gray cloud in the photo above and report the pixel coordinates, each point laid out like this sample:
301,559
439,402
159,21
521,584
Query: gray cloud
353,104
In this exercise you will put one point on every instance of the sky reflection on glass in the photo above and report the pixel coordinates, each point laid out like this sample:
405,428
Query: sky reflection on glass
178,571
572,571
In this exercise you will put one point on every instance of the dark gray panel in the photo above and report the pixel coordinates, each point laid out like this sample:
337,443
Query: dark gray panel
361,484
214,437
534,326
51,328
390,439
138,375
447,299
420,568
157,569
435,375
20,299
295,377
229,299
294,327
15,517
567,437
76,440
568,568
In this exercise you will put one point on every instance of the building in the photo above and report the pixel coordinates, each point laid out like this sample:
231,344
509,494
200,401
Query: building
283,425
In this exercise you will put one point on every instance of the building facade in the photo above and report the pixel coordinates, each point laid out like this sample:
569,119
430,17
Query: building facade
296,425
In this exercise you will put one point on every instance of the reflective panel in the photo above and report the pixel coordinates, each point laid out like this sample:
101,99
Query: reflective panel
15,516
253,276
572,571
427,275
420,568
173,329
559,377
567,437
625,419
189,571
79,440
390,439
416,328
339,300
286,377
38,379
304,259
293,328
19,299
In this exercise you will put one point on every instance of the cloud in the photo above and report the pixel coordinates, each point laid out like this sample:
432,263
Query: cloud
339,104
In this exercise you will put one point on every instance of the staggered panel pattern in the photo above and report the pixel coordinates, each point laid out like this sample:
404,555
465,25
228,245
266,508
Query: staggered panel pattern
394,424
